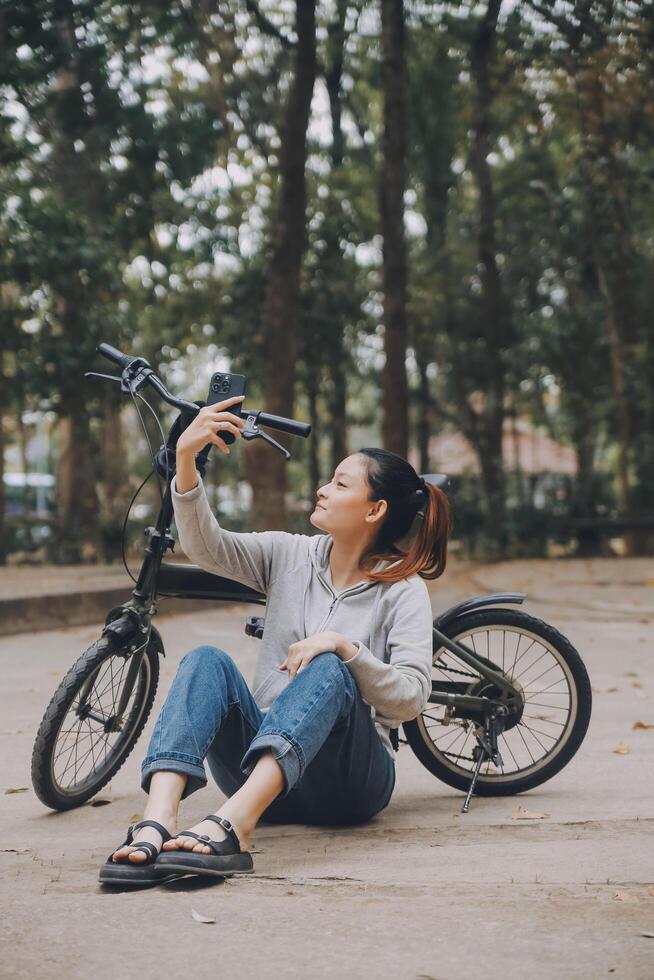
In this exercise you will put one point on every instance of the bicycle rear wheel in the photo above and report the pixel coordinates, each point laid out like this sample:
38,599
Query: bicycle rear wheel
556,704
80,746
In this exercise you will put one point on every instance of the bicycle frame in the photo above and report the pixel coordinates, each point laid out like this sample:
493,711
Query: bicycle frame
159,578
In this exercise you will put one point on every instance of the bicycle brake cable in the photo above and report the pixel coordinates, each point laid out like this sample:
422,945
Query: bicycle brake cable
153,470
122,547
147,437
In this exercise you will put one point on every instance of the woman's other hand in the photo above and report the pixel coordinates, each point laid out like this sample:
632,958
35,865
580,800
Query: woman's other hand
302,653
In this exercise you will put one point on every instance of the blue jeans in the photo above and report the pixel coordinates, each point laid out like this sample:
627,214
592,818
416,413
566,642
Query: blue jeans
336,769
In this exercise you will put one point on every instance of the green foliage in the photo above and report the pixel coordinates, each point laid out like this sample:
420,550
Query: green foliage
139,178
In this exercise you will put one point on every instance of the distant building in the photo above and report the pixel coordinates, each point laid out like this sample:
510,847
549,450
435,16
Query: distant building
524,449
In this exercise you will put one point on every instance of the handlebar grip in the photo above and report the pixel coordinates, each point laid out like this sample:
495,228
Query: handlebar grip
285,425
114,355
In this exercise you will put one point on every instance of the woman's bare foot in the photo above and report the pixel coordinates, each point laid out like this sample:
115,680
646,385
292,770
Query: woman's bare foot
136,856
213,830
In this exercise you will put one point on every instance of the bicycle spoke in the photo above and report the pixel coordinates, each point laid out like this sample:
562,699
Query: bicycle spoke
547,721
519,731
521,656
531,729
506,741
544,690
532,664
542,674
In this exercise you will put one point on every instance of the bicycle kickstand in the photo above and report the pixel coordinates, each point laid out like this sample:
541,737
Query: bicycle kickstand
487,749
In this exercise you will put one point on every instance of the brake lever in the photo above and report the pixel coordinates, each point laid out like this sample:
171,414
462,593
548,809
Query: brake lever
109,377
251,431
134,376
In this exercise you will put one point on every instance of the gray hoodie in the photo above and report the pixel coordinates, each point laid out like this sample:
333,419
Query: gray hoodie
391,624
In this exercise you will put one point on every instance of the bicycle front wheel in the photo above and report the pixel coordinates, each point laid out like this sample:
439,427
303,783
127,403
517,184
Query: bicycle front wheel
81,743
556,704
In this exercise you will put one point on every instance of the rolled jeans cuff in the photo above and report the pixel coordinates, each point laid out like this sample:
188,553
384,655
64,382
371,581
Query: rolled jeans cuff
174,762
287,752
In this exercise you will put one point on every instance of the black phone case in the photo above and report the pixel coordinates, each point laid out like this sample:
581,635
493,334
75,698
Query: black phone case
222,386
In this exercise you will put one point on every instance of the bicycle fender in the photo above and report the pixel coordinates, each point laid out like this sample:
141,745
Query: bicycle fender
477,602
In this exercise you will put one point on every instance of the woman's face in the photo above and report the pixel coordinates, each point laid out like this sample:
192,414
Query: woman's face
343,506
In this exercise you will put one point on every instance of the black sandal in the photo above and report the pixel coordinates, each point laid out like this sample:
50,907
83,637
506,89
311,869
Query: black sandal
126,872
227,857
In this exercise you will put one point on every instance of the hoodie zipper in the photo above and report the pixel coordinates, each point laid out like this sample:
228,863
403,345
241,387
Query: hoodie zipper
341,595
354,590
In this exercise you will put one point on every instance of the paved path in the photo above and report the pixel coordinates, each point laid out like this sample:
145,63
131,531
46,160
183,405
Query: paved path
421,891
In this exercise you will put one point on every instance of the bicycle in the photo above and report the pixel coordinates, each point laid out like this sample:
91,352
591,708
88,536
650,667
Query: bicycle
102,704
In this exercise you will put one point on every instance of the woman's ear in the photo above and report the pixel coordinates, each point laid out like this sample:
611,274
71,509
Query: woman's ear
377,511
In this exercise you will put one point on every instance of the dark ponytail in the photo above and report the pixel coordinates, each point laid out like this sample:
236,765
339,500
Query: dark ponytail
393,479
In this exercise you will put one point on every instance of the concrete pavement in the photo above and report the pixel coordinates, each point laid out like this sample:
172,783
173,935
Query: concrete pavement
421,891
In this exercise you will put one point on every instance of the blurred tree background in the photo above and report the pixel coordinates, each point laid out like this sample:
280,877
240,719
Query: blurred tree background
425,226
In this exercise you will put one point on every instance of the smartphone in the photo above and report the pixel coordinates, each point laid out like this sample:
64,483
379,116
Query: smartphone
221,387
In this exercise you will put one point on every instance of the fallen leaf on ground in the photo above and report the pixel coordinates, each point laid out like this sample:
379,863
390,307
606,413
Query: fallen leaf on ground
648,935
135,817
651,891
630,673
15,850
636,684
521,814
16,789
625,897
622,749
201,918
642,724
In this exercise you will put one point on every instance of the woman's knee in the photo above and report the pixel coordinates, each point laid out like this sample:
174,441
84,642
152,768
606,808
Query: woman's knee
332,665
206,657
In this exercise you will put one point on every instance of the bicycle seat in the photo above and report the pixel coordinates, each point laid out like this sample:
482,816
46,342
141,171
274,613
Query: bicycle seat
441,480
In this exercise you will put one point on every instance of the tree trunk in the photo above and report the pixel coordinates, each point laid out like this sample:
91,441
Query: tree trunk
336,365
264,466
423,428
337,407
496,317
395,421
3,406
77,500
114,470
315,477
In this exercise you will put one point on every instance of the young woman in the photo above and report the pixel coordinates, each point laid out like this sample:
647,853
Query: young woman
346,656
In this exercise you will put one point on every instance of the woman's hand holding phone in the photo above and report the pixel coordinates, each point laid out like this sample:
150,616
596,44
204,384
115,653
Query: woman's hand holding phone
204,429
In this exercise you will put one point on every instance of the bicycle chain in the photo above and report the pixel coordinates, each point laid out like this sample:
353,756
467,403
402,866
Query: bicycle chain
454,755
453,670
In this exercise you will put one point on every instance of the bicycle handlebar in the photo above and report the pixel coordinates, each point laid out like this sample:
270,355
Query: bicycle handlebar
125,361
280,422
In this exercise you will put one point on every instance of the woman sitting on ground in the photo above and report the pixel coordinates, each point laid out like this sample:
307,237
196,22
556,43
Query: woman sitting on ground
346,656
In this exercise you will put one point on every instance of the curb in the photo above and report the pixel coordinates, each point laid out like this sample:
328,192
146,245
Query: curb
29,614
